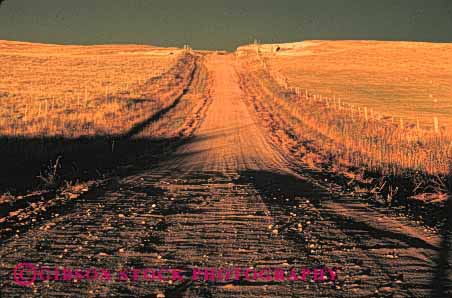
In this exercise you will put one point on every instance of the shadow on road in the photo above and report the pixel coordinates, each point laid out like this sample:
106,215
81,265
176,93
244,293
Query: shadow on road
283,191
285,186
81,159
441,283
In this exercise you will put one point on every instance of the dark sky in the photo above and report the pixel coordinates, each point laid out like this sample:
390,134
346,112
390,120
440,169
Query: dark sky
223,24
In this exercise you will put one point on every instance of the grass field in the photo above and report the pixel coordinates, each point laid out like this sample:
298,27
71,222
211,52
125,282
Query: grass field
402,79
72,91
68,107
400,158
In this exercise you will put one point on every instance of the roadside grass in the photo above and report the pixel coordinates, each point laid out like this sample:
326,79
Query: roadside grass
394,162
70,112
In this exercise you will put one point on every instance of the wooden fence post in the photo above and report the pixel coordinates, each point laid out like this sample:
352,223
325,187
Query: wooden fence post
436,123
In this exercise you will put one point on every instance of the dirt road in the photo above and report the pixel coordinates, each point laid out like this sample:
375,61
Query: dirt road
228,198
228,139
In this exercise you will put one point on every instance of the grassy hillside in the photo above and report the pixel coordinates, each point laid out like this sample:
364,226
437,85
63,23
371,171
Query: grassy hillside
402,79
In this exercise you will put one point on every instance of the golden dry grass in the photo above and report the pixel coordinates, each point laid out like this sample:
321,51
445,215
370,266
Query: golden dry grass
341,135
74,91
410,80
78,111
